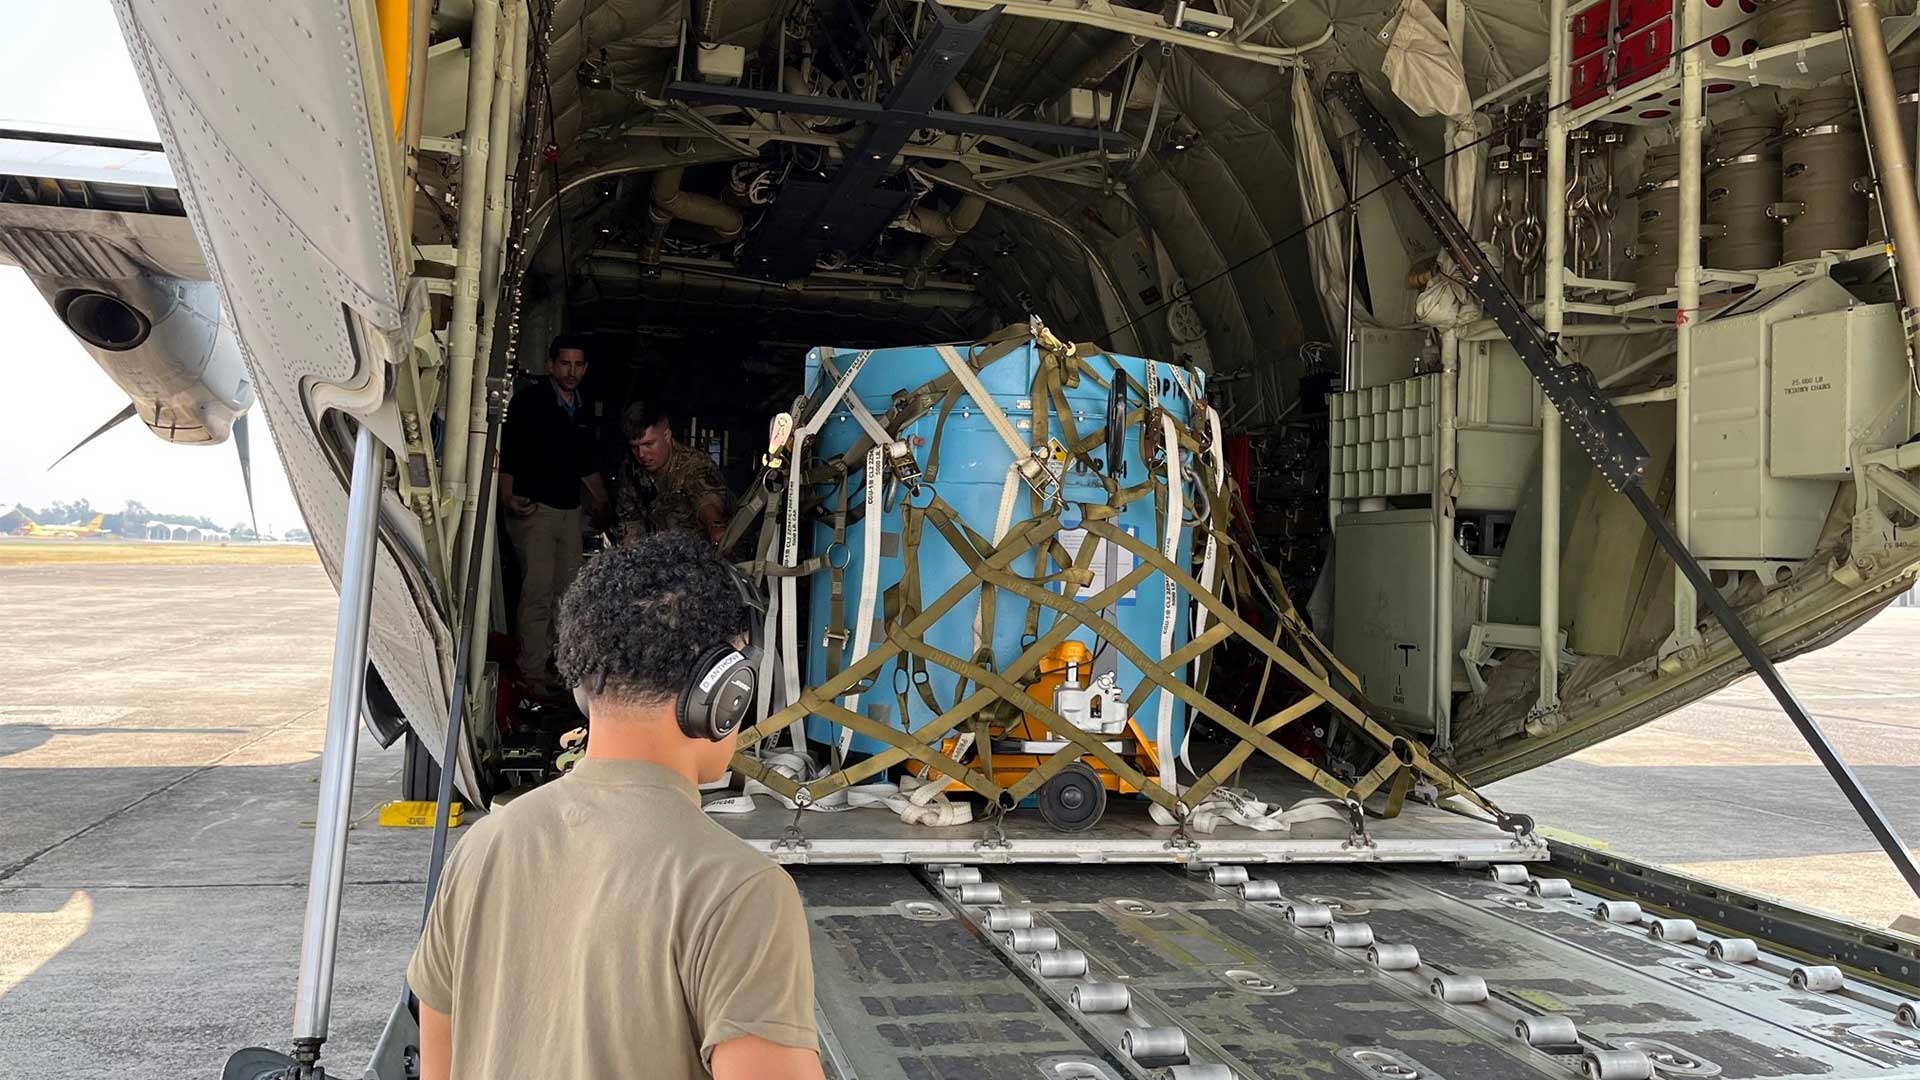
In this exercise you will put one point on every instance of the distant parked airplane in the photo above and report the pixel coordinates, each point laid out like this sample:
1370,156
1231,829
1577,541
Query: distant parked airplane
64,532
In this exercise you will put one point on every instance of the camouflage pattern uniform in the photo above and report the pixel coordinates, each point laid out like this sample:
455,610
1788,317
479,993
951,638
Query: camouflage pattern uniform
673,498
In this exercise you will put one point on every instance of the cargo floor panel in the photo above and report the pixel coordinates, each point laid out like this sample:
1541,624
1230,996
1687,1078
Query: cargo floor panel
906,990
913,984
1420,833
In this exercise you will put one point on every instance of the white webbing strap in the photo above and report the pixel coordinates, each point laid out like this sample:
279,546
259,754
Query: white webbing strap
1169,547
1227,806
1209,562
869,579
790,540
976,390
917,802
861,414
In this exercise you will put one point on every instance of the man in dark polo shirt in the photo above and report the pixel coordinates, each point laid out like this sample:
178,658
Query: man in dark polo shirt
546,458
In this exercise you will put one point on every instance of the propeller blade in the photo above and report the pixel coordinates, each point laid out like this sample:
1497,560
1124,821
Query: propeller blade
119,418
241,444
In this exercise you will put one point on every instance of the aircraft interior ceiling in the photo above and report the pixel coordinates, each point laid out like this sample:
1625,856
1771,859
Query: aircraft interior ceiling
1212,181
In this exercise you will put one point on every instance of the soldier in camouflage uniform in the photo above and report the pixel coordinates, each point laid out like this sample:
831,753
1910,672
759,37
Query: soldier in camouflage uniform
667,486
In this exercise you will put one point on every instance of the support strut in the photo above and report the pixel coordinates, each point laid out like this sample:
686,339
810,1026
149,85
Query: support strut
313,998
1616,452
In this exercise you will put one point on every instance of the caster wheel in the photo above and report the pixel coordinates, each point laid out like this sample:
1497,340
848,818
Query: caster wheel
257,1063
1074,800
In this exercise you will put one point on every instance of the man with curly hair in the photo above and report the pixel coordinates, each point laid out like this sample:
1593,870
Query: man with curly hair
603,925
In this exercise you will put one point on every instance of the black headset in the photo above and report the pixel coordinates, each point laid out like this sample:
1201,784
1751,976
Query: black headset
721,692
725,680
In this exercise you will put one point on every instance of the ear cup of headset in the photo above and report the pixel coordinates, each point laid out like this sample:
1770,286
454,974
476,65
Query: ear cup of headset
721,692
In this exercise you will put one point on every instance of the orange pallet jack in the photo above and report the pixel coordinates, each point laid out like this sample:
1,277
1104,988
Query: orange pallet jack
1076,797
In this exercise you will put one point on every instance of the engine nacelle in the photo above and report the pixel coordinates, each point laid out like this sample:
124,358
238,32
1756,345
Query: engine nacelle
102,233
162,341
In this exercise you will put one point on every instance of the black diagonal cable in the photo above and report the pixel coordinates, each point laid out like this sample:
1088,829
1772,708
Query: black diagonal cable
1616,453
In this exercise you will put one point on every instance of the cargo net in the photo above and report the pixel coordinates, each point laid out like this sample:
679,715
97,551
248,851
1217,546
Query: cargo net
954,750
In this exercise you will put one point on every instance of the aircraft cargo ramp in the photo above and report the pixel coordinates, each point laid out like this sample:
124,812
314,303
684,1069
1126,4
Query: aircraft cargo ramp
1311,972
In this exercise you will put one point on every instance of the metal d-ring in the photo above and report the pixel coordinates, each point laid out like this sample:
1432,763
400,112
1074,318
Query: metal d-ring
913,493
845,551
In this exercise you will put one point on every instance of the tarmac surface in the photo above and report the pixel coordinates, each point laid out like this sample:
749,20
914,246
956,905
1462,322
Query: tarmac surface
160,735
159,740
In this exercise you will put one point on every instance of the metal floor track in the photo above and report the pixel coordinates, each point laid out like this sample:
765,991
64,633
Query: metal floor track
913,982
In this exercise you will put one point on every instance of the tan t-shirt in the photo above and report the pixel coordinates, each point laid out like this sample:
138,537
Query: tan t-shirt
604,926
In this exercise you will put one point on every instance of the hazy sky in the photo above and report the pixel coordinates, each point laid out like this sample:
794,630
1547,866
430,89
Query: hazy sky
64,65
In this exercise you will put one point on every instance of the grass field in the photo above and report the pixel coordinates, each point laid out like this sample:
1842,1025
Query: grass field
21,551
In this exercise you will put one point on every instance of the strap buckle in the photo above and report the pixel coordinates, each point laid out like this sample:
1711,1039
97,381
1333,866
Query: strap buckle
905,466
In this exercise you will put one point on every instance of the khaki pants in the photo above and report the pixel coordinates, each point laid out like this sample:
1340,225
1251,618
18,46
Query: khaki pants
547,542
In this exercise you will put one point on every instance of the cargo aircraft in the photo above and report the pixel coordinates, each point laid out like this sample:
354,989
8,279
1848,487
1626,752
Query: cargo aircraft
1555,357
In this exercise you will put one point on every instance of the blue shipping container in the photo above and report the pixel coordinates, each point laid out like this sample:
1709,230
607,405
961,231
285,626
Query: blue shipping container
973,468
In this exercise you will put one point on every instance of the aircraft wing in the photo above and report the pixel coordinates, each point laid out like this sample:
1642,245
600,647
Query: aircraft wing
279,141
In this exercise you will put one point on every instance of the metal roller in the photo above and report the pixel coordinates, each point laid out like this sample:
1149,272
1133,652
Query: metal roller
1908,1014
1350,935
1819,978
1260,889
1028,939
955,876
1101,997
974,892
1228,875
1511,874
1200,1072
1551,888
1155,1044
1618,911
1459,989
1616,1065
1398,957
1309,915
1553,1029
1734,950
1002,919
1059,964
1675,930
